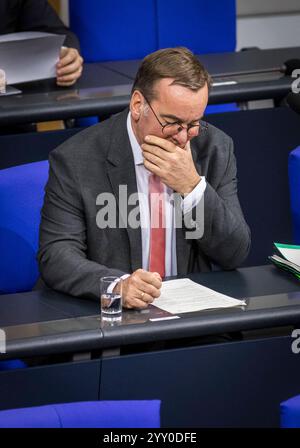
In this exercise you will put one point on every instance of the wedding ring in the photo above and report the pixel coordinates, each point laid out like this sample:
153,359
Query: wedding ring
142,294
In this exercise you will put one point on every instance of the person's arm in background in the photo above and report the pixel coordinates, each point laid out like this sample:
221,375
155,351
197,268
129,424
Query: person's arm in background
38,15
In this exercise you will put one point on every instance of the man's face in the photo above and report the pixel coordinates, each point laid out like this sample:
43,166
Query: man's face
172,104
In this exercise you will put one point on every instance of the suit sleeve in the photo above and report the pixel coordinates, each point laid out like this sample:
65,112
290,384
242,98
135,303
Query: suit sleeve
38,15
62,254
225,236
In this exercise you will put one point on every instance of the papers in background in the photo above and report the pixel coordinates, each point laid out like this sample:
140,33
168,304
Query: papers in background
290,259
29,56
290,253
185,296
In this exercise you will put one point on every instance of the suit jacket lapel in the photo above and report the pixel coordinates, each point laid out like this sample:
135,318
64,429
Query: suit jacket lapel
121,172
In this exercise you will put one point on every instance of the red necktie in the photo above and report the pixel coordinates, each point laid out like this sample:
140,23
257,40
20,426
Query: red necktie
158,230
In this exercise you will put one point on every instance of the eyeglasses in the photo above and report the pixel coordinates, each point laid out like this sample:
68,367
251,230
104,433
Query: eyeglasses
170,129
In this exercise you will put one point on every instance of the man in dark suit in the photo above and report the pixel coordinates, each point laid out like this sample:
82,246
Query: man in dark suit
93,225
37,15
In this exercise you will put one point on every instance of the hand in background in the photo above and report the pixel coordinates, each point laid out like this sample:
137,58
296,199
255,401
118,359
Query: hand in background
69,67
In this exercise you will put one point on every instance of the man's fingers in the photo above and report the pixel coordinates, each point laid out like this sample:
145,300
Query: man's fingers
70,68
144,297
154,169
140,289
61,83
149,290
67,56
132,302
154,159
156,151
167,145
68,80
150,277
70,77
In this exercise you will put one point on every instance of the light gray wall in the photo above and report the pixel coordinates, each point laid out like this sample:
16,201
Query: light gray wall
268,23
259,7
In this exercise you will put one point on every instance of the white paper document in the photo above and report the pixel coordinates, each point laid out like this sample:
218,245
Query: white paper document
290,253
185,296
29,56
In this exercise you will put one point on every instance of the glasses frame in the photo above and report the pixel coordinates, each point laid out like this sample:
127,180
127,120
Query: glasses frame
202,126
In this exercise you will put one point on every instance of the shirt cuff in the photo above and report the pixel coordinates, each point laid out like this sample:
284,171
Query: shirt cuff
113,284
194,197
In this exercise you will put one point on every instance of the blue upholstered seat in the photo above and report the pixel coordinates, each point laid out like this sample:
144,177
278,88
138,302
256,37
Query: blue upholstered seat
290,413
294,181
96,414
12,365
21,199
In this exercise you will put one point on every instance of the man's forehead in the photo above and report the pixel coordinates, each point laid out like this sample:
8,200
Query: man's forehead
168,93
166,87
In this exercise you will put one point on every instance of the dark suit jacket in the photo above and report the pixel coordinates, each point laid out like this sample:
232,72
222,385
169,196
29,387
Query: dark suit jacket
33,15
74,253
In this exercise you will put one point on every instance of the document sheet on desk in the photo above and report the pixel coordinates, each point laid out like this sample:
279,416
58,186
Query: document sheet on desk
185,296
29,55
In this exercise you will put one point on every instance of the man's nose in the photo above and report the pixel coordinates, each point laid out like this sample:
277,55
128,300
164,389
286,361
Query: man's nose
181,138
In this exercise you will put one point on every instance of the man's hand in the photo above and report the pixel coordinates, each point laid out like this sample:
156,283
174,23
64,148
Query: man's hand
69,67
140,289
174,165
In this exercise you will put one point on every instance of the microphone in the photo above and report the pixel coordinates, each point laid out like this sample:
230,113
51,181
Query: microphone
290,65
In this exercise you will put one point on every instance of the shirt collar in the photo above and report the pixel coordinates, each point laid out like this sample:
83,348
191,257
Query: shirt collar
136,149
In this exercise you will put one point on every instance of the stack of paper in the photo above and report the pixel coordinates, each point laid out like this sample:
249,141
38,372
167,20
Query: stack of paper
185,296
29,55
288,259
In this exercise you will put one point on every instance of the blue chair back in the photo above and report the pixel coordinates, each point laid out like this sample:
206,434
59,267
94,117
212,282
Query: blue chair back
115,30
290,413
202,26
96,414
294,181
112,30
21,199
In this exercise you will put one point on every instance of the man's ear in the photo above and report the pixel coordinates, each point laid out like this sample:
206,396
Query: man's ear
136,105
